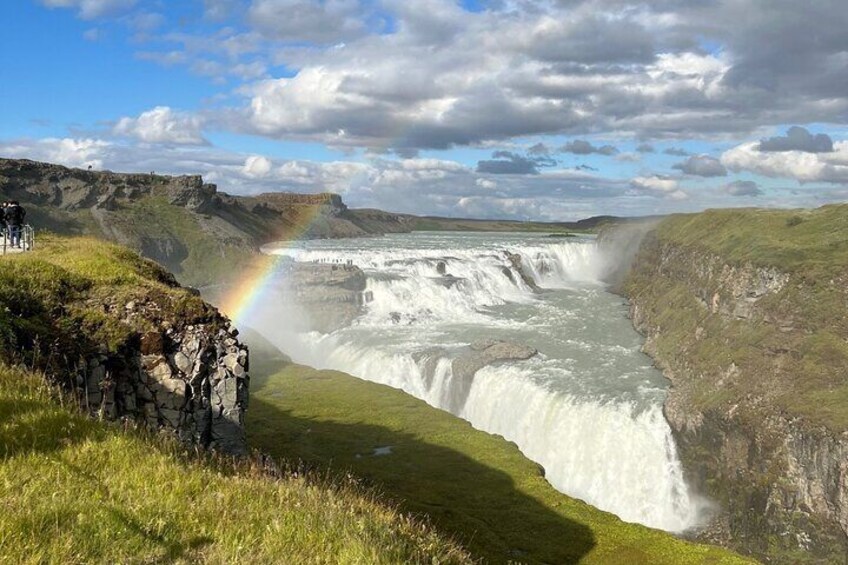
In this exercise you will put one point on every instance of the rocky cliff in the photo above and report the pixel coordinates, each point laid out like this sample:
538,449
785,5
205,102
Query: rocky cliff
747,314
197,232
120,332
191,380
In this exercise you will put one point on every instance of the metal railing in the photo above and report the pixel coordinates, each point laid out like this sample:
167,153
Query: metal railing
27,240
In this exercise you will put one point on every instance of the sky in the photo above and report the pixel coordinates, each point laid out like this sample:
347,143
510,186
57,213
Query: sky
516,109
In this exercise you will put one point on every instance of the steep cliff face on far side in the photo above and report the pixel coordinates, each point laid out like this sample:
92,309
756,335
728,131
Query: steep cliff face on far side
746,311
198,233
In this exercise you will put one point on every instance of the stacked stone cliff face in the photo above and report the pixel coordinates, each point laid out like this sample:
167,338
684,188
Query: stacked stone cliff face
192,381
120,332
748,361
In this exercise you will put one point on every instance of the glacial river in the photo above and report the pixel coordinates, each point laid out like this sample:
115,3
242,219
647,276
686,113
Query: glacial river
588,408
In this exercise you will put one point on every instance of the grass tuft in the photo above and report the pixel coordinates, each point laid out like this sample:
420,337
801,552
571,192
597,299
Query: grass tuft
75,490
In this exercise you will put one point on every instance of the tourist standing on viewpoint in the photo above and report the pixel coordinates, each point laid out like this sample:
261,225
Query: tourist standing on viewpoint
4,231
15,216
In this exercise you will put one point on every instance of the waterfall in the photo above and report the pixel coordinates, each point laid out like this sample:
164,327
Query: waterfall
588,408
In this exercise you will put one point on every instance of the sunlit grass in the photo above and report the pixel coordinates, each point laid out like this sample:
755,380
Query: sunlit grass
73,490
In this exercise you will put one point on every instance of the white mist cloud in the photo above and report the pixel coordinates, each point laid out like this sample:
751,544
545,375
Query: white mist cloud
801,166
163,125
659,186
256,166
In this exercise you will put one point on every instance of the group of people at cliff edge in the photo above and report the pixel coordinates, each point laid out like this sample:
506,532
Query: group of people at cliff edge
12,218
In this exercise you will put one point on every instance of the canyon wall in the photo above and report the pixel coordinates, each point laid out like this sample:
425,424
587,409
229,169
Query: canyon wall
748,318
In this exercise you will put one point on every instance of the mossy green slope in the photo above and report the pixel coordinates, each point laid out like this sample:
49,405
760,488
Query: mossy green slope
200,257
476,486
810,242
760,395
55,301
804,365
74,490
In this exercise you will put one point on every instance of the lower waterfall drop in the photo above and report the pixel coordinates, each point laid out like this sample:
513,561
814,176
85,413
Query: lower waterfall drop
588,407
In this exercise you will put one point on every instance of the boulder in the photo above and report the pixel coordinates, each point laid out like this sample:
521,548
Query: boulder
517,266
481,354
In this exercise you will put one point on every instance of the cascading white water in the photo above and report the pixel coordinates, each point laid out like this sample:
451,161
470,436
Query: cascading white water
588,408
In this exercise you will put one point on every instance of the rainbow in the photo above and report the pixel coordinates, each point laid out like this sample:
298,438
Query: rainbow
241,301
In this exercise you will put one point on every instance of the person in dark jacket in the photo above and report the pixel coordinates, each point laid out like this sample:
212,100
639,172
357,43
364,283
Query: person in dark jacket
15,216
4,233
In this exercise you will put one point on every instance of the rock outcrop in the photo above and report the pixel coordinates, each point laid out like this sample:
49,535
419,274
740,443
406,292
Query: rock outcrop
481,354
744,352
518,267
192,381
331,295
185,224
120,332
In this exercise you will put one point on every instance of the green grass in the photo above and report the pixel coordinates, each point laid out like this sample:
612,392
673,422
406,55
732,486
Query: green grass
74,490
474,485
66,299
812,243
206,258
803,370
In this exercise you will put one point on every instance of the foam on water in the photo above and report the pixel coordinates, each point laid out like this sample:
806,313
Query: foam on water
588,408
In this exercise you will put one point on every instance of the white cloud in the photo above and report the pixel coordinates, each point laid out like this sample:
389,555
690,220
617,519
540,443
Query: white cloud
447,77
90,9
659,186
799,165
327,21
70,152
163,125
256,166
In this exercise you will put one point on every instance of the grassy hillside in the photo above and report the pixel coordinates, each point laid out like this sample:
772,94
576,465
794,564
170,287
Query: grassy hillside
811,243
797,340
747,312
474,485
186,247
75,490
80,491
59,302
